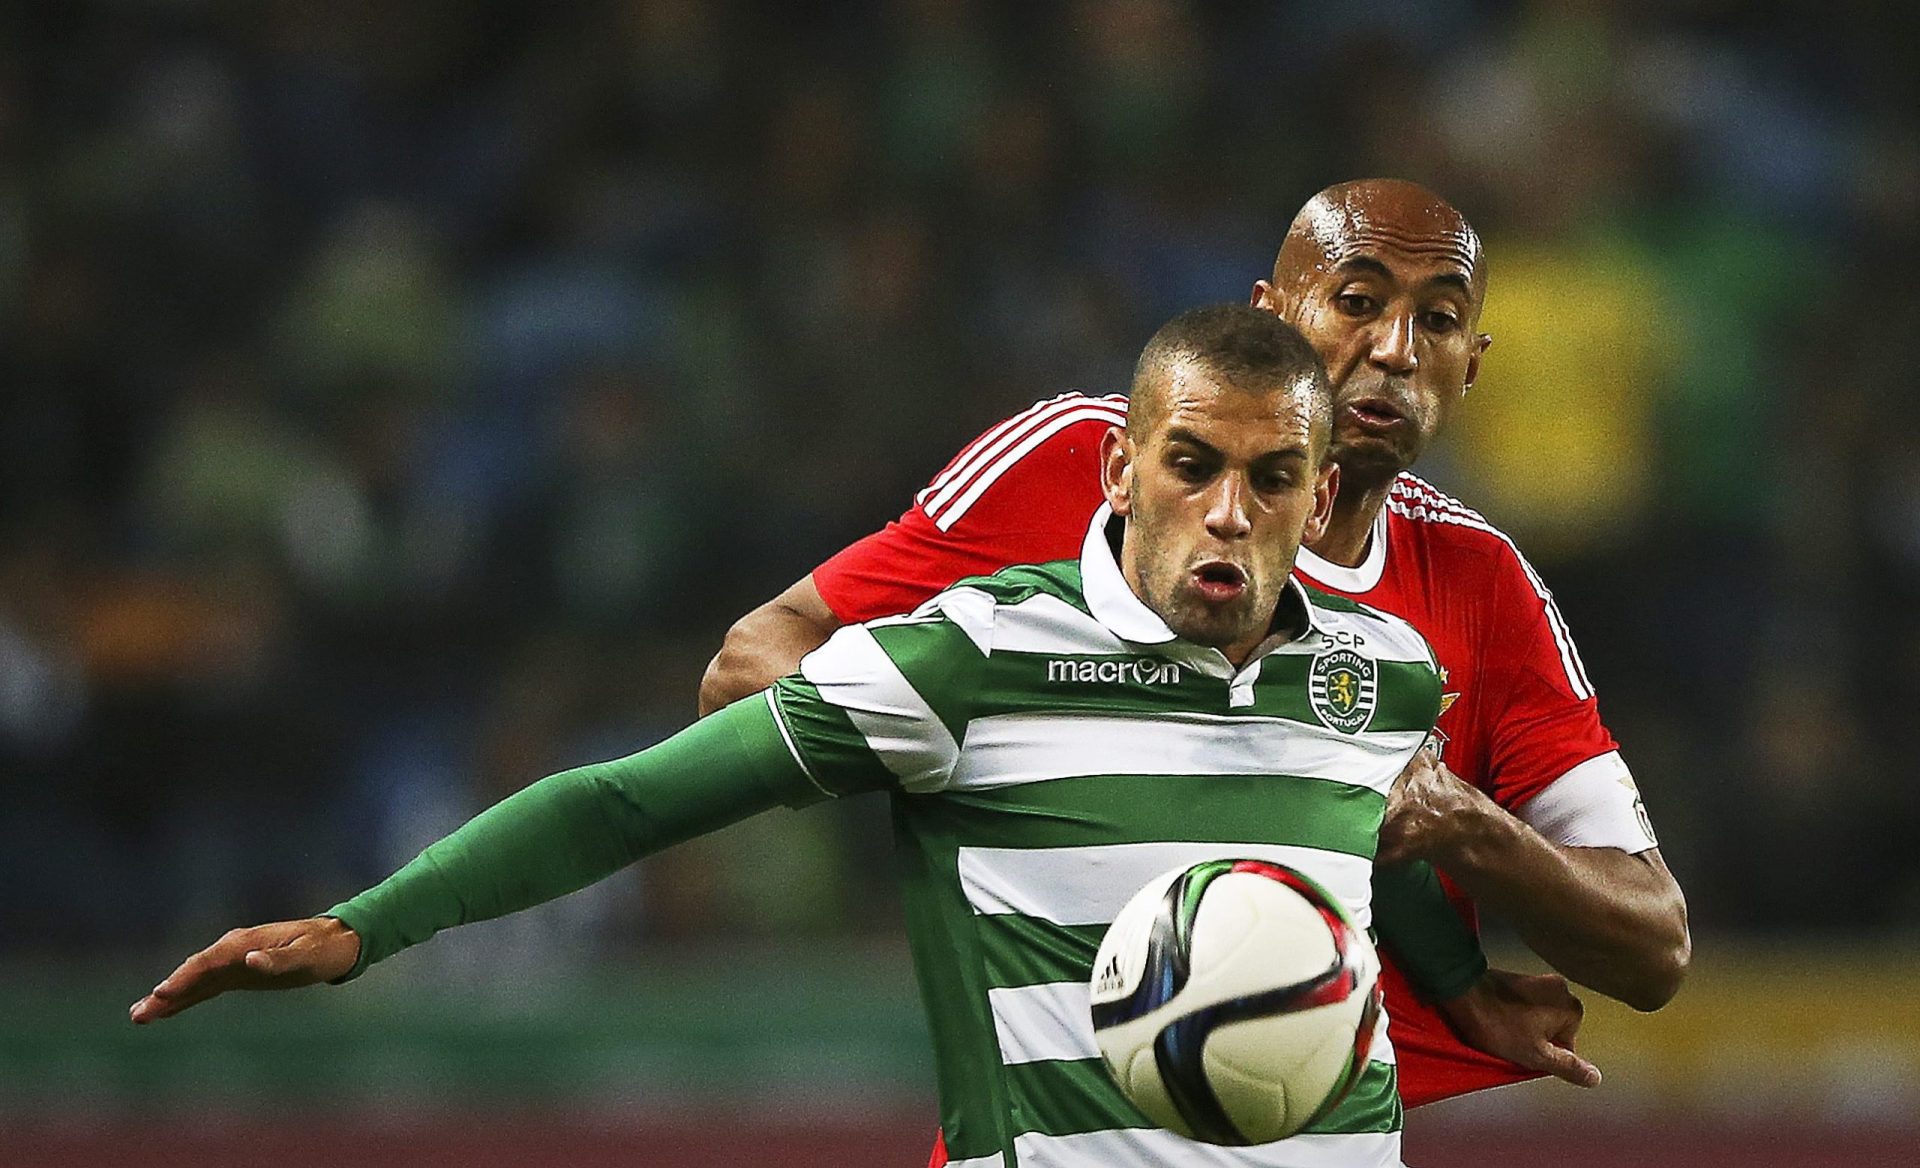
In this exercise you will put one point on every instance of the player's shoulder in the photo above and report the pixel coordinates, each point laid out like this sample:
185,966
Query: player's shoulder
979,604
1371,631
1449,530
1055,436
1439,516
1507,586
1019,583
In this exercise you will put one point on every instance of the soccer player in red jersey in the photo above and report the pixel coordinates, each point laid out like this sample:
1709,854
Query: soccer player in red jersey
1531,810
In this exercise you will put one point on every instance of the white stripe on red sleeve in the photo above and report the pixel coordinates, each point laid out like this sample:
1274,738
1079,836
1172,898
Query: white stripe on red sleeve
951,499
964,462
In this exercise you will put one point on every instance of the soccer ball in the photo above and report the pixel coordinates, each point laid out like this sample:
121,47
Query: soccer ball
1235,1001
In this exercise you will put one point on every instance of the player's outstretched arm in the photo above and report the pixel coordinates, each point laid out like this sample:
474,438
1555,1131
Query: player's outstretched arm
766,645
1612,921
557,835
281,956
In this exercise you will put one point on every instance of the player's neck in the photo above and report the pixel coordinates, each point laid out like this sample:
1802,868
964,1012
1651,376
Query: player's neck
1354,510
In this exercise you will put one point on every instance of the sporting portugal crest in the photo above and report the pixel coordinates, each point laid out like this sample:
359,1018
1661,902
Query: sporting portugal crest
1342,689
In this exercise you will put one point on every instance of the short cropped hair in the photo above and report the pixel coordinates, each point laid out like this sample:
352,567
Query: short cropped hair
1244,348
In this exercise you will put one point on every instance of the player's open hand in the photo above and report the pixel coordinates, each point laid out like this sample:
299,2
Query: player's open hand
1527,1018
280,956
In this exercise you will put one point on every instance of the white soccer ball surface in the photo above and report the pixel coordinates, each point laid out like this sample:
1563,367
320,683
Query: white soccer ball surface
1234,1001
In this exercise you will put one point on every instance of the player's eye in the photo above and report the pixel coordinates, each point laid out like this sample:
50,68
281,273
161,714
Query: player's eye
1356,304
1271,482
1190,469
1440,322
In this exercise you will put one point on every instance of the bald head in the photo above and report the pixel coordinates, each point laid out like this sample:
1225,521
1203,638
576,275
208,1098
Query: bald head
1351,218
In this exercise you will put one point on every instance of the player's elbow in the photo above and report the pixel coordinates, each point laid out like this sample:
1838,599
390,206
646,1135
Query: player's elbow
761,648
731,674
1666,968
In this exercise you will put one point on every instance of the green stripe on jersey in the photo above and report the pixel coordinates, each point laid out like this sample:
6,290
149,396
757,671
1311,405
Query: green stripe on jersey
1117,809
834,753
1063,1098
939,661
1009,586
1015,682
1373,1105
1022,951
1409,693
950,971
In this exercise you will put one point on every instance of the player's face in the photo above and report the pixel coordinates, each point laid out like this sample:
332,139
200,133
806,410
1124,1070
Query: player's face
1391,310
1218,498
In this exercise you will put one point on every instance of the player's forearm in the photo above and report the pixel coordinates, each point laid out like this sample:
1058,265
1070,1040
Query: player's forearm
1613,922
577,827
1433,946
766,645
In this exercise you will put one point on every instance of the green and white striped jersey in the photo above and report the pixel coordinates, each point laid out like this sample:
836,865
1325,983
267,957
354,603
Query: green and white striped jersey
1050,746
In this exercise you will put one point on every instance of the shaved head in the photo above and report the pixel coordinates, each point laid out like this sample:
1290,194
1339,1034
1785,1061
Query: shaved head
1349,218
1386,280
1240,347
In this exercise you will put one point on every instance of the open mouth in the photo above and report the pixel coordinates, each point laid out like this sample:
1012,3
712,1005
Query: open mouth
1218,581
1373,413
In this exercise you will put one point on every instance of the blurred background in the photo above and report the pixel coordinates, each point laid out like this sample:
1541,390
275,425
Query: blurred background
398,400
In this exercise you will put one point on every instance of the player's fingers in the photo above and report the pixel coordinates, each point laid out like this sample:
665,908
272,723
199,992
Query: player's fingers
219,967
1569,1028
172,996
190,973
1562,1063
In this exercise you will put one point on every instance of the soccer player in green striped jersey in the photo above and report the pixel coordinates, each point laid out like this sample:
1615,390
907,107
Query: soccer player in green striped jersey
1051,737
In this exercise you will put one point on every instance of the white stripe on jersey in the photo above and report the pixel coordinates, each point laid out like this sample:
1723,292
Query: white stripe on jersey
1037,1023
1430,505
1089,884
1010,442
1006,750
1152,1147
854,673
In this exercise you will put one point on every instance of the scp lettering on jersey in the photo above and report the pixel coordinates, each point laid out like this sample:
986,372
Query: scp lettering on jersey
1138,671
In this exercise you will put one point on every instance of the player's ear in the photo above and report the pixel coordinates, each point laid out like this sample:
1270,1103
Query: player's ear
1326,486
1264,297
1480,344
1116,470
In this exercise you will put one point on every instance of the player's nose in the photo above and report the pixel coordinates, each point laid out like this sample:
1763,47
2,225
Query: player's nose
1393,348
1228,516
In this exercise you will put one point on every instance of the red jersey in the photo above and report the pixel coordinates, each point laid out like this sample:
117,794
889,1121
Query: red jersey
1518,719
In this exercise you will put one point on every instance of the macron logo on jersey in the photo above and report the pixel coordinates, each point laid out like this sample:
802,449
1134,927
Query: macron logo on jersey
1139,671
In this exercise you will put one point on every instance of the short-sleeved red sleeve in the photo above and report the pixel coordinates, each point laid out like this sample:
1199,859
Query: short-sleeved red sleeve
1548,720
1023,492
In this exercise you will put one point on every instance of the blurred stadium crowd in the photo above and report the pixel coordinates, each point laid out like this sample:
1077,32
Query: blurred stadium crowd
398,400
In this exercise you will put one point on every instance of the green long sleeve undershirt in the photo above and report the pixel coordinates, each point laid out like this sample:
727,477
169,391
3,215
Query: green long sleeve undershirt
574,828
577,827
1440,955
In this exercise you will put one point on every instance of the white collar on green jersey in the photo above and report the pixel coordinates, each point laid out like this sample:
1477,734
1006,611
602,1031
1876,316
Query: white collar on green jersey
1112,602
